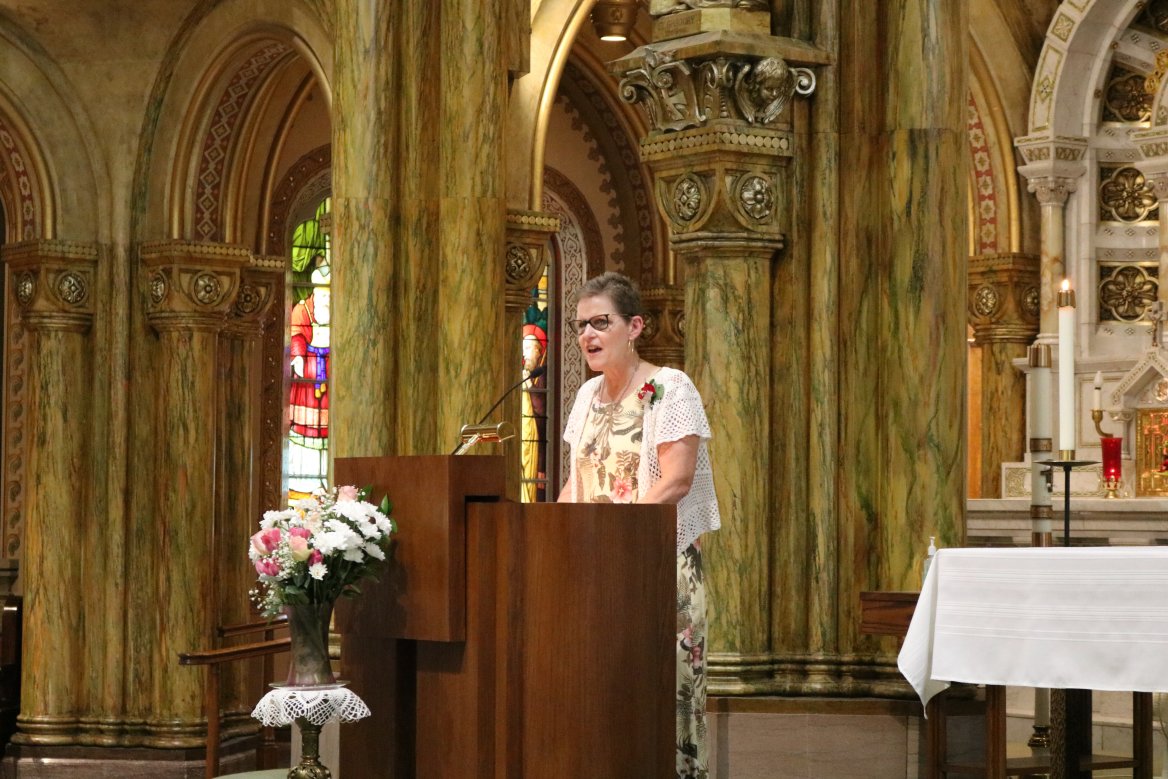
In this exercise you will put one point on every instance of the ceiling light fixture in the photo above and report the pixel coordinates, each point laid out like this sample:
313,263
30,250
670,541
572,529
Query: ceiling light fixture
613,20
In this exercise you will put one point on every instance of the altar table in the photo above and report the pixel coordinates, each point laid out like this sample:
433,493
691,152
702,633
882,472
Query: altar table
1079,619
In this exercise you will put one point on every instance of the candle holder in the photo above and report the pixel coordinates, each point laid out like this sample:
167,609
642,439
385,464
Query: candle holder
1111,486
1097,418
1067,466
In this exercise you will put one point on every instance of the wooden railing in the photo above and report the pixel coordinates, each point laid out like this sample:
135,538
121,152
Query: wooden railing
214,660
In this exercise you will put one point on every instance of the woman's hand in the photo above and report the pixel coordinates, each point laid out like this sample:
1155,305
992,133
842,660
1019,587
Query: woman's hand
678,461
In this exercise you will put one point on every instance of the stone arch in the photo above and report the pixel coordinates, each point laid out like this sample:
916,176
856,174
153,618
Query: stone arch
1076,36
554,30
223,119
995,218
43,132
620,127
296,195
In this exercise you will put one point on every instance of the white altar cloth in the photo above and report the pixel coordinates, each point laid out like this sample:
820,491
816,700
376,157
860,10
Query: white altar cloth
1092,618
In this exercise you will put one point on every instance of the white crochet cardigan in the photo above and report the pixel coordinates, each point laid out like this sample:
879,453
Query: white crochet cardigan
676,414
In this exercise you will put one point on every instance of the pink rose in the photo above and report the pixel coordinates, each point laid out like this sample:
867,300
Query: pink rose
266,541
300,532
298,546
622,491
267,567
348,492
315,557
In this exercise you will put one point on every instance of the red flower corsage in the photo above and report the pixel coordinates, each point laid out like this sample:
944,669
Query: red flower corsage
651,391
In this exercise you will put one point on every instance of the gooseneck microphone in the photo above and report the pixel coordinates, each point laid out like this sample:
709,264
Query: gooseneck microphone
535,374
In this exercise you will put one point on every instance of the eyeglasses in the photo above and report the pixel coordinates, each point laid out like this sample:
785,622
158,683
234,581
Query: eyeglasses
599,323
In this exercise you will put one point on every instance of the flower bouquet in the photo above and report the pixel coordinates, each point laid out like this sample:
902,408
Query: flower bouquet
309,555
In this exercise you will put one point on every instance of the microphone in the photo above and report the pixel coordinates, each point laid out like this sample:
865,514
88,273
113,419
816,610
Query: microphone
535,374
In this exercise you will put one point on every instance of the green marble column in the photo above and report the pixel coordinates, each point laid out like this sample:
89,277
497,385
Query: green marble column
191,289
1004,312
721,182
903,213
364,248
239,481
54,286
419,223
469,184
728,321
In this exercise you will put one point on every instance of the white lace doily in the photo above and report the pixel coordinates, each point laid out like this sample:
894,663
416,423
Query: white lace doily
284,705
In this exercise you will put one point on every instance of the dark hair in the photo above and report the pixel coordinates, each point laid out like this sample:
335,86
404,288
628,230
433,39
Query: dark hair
618,288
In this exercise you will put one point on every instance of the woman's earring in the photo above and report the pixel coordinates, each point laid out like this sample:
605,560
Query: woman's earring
631,347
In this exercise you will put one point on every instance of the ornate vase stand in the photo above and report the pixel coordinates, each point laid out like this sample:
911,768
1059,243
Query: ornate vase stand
310,708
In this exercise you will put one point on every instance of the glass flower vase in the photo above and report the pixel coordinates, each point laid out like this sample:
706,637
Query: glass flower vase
308,660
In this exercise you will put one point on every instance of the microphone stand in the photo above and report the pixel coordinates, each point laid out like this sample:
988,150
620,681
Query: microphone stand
535,374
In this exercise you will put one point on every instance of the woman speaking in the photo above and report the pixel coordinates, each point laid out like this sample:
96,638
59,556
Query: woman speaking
637,433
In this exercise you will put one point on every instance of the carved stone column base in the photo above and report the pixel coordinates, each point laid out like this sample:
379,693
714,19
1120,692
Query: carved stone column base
774,674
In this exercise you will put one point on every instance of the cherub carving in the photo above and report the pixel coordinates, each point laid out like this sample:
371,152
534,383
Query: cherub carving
764,89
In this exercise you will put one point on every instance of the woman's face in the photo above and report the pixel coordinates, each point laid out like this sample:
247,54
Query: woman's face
609,348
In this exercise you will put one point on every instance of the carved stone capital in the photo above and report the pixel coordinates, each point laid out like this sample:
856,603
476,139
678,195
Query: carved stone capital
53,283
1004,304
1053,164
191,285
1051,190
258,287
527,234
680,93
663,340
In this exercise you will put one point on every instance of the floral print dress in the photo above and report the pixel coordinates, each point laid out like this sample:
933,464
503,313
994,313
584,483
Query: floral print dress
609,454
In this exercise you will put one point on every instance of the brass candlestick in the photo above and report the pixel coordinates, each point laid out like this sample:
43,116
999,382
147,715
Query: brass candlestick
1097,417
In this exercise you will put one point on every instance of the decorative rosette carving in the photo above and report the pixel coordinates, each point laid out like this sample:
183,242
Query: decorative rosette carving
756,198
207,289
649,332
519,264
158,288
249,299
688,198
986,300
25,287
72,288
1032,303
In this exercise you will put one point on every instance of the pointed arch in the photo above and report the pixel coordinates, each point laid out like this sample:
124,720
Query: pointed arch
225,112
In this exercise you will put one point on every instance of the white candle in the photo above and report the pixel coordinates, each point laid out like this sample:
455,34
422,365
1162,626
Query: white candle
1066,369
1098,391
1040,394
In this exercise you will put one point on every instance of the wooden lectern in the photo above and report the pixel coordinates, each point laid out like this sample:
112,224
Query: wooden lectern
510,640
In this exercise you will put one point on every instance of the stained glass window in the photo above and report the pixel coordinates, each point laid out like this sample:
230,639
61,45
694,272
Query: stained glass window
534,401
306,460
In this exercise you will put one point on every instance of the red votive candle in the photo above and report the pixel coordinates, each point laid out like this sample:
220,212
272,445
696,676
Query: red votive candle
1112,457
